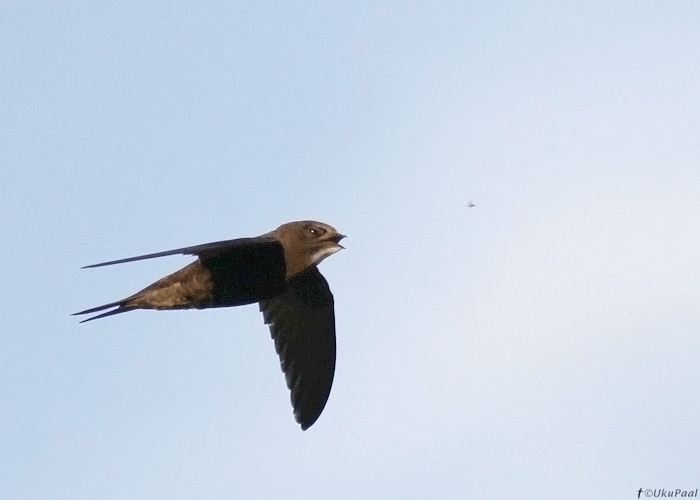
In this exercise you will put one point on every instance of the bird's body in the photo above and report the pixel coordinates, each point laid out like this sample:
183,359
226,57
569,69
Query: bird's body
228,273
278,270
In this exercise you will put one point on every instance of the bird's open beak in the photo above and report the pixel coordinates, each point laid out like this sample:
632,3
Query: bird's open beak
337,239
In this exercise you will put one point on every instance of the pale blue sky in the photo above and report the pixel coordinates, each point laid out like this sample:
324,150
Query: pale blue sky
541,345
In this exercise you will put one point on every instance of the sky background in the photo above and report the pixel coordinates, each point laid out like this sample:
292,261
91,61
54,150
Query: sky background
541,345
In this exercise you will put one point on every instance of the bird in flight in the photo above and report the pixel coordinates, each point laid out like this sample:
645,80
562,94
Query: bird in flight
277,270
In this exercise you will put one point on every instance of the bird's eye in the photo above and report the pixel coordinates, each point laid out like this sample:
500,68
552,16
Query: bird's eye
316,232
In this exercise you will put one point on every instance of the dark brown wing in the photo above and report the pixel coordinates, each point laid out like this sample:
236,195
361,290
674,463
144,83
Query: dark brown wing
302,324
203,251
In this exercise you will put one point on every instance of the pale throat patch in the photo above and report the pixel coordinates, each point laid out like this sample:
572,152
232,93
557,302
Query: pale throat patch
321,254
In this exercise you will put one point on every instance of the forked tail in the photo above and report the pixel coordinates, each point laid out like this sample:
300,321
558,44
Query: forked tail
120,308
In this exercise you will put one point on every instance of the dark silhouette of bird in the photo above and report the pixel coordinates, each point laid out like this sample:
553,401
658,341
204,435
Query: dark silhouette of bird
277,270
